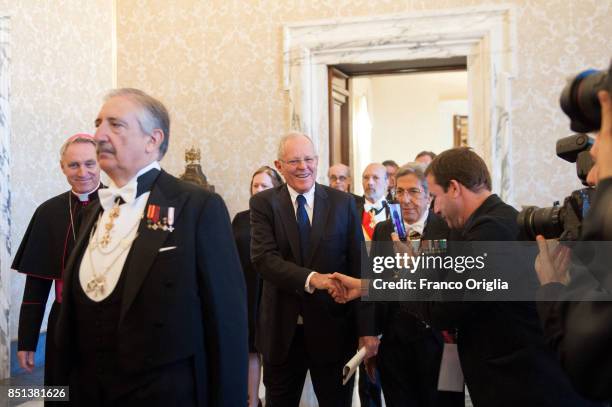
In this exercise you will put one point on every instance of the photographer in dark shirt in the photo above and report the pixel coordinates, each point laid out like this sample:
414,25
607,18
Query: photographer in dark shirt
576,313
502,351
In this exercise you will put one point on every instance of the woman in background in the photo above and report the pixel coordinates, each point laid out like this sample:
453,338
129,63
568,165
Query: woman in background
264,178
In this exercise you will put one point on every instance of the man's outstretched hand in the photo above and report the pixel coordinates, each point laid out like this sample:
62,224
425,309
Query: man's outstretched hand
326,282
350,288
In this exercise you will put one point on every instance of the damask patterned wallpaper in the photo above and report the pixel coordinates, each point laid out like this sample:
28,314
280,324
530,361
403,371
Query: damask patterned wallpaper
60,68
5,193
218,66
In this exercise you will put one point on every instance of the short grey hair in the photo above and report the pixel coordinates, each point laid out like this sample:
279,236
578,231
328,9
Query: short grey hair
153,115
416,169
77,138
290,136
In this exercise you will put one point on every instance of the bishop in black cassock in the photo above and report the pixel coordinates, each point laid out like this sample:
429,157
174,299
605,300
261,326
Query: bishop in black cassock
46,246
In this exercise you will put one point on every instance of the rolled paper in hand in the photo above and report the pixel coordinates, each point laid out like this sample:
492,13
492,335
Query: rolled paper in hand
349,369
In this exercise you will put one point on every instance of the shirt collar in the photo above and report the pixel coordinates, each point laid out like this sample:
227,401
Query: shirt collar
419,225
367,206
128,192
85,197
154,164
309,195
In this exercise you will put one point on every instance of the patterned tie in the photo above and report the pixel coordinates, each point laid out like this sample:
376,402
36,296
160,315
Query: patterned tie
414,235
303,228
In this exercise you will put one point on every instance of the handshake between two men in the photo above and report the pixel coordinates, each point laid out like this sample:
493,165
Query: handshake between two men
345,288
341,287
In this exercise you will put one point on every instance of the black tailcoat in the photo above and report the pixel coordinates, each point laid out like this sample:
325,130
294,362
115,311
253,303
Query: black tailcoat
184,302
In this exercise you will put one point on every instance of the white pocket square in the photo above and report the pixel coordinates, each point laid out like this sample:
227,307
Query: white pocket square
165,249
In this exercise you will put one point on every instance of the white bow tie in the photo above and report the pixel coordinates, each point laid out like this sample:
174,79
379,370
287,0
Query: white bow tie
109,195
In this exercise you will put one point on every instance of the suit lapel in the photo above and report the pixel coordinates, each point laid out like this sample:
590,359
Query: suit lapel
146,246
359,204
74,261
287,213
319,219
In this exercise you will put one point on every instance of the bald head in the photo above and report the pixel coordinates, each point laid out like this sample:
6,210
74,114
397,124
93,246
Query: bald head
339,177
374,181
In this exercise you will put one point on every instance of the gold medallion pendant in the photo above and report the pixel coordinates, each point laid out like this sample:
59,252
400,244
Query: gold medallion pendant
95,286
113,214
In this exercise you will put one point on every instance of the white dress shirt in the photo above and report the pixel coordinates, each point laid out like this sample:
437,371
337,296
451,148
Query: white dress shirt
109,261
309,195
419,225
378,205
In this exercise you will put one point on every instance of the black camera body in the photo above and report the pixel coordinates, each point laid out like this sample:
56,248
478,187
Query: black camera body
563,221
558,221
579,99
580,103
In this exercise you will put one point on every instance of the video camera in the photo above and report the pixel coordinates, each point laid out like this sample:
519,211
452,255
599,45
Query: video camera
580,103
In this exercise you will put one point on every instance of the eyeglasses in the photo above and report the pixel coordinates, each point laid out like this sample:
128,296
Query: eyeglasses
295,162
341,178
413,192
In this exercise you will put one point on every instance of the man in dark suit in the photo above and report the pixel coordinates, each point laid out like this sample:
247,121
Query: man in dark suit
154,311
410,351
373,207
301,232
501,347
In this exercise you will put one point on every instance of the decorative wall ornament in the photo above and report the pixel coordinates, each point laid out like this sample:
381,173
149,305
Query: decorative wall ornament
460,131
193,170
485,35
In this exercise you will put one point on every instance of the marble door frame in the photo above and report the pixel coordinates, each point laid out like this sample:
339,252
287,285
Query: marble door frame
485,35
5,197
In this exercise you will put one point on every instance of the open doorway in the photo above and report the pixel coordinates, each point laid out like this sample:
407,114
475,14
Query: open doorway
395,110
397,116
485,36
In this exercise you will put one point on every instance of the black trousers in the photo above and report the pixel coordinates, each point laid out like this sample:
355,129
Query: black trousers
104,386
409,373
285,382
55,373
